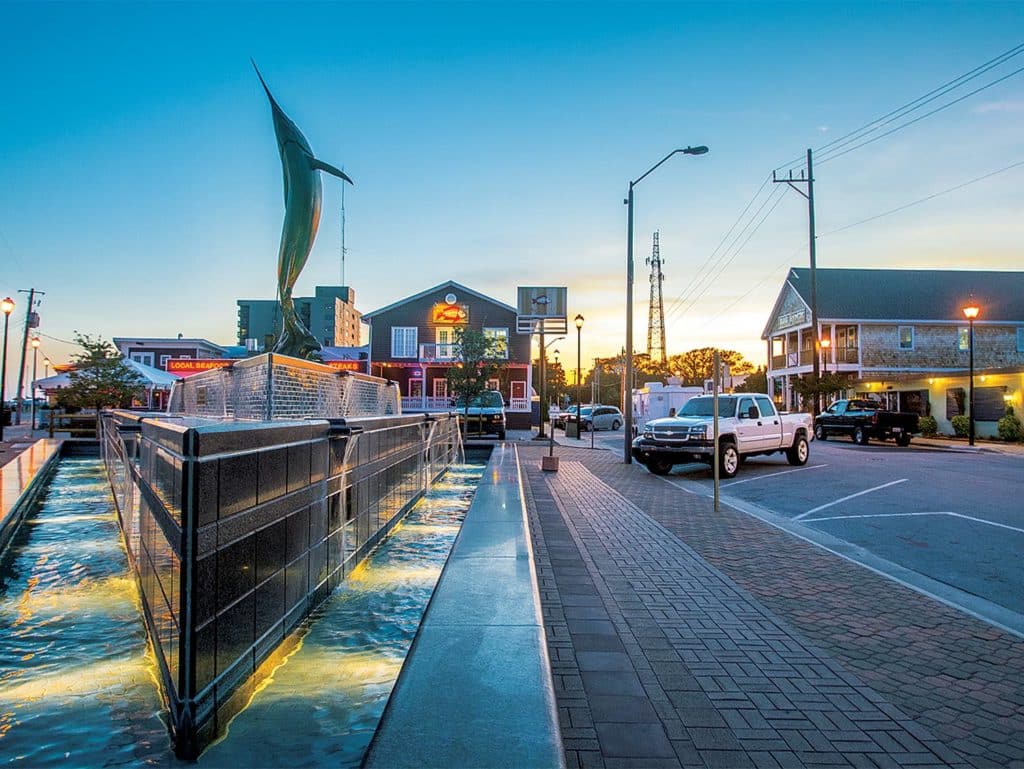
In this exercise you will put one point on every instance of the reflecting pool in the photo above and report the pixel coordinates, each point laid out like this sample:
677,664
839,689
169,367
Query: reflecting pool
77,678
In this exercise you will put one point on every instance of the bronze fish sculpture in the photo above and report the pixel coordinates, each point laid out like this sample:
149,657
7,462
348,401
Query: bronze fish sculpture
302,201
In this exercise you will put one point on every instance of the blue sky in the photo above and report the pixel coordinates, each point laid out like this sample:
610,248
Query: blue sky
490,143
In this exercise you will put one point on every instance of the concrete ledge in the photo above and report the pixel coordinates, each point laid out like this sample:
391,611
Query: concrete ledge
21,481
476,687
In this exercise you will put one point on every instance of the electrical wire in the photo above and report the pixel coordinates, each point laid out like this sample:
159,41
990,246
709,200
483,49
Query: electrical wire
716,249
924,199
913,105
723,265
900,127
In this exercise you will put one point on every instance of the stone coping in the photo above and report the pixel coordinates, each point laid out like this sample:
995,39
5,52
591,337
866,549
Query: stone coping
21,481
476,689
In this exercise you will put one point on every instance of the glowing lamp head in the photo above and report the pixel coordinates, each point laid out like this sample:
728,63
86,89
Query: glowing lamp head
7,306
35,343
971,311
579,321
826,343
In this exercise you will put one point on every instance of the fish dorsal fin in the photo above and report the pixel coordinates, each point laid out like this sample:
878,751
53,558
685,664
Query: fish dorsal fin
319,165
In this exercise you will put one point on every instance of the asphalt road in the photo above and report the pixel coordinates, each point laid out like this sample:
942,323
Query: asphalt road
948,523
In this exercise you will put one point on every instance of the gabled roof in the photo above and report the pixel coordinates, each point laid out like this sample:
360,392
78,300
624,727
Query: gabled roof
911,295
439,287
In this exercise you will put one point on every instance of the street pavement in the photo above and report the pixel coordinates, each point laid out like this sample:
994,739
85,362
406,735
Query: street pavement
683,637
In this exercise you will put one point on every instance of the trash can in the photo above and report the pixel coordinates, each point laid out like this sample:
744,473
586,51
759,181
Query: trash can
572,430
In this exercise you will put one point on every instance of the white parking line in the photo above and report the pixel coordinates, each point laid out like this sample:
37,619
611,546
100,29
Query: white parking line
908,515
851,496
771,475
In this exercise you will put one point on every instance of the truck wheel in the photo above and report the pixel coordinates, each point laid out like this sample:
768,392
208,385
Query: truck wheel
615,424
798,452
903,440
819,433
860,435
659,466
728,460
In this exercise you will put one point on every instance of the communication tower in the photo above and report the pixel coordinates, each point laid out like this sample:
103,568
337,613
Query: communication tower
656,307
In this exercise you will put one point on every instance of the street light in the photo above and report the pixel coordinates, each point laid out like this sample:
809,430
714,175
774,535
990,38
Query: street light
7,307
46,368
971,312
627,395
35,360
579,383
825,344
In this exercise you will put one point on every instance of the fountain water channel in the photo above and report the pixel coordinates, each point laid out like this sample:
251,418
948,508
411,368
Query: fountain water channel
78,681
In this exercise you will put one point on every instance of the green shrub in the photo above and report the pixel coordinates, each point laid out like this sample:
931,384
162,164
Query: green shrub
1010,428
928,426
961,424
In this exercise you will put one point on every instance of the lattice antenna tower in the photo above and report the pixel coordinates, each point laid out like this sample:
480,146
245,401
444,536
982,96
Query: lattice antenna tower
656,307
344,250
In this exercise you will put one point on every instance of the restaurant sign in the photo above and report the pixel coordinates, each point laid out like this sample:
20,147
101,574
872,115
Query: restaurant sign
185,367
449,314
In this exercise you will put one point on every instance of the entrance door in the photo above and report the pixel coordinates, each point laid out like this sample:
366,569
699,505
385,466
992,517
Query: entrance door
416,388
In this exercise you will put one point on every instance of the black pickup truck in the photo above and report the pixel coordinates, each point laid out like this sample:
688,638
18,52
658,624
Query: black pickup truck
863,420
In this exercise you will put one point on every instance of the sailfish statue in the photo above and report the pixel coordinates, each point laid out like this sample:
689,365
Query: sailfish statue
302,201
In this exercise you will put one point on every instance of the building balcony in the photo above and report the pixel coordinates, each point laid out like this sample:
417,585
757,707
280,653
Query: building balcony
429,353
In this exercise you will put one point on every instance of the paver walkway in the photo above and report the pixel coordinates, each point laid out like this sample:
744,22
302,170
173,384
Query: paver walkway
660,659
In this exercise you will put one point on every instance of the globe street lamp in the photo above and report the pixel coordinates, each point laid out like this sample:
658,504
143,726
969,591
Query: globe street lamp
579,382
825,343
543,360
627,395
46,368
971,312
35,360
7,307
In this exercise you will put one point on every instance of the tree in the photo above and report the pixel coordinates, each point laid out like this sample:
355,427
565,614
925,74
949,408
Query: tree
100,378
478,362
756,382
808,386
695,366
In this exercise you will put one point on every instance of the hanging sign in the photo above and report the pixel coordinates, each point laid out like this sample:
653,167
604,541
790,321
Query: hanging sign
449,314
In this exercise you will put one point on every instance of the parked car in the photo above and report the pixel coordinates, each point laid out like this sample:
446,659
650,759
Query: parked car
863,419
598,418
564,414
748,424
485,414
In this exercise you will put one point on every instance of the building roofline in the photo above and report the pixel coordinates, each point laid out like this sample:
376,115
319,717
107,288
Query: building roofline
118,340
431,290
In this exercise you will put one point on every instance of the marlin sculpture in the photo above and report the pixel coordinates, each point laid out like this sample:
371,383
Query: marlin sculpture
302,201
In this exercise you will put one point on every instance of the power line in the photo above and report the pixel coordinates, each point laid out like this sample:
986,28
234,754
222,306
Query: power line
924,199
724,264
725,237
915,104
700,280
921,101
900,127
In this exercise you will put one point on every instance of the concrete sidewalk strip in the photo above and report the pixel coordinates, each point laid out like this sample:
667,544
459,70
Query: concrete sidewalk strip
673,664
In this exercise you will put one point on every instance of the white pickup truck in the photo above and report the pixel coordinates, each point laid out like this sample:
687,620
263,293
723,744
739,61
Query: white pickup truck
748,424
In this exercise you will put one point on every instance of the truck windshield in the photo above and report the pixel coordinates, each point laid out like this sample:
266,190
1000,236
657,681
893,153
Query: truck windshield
704,407
488,400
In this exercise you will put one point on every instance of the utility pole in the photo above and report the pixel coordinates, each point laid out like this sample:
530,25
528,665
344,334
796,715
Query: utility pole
31,321
809,195
656,307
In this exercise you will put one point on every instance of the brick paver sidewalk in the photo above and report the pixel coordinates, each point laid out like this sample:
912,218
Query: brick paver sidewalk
662,660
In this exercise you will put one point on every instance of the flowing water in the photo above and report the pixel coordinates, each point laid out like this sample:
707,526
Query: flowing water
77,680
77,683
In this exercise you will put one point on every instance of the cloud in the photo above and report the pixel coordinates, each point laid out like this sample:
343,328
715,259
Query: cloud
1009,105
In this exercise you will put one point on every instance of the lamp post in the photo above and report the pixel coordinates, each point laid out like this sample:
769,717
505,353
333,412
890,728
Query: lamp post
7,307
627,395
579,381
825,343
46,367
971,312
35,360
